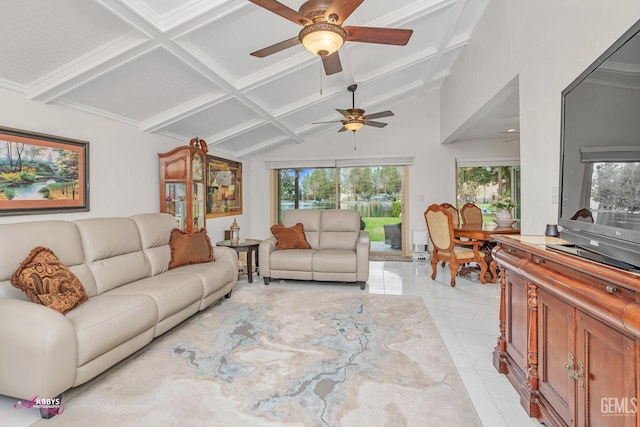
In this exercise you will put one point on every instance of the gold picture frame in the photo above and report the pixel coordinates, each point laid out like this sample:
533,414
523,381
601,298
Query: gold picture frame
224,187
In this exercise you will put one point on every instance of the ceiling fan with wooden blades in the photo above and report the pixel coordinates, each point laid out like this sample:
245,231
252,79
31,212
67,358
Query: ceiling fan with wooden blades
323,34
354,118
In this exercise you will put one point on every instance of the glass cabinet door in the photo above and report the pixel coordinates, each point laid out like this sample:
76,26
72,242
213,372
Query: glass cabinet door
176,204
198,212
198,196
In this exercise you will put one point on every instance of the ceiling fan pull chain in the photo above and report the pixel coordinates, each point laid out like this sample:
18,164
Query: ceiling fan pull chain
354,141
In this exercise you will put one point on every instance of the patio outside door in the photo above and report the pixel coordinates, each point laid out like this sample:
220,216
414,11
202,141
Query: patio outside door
376,192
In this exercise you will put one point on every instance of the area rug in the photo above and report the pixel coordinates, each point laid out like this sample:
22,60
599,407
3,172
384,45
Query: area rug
285,357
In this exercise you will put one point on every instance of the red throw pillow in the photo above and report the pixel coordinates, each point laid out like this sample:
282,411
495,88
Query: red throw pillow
188,248
48,281
290,237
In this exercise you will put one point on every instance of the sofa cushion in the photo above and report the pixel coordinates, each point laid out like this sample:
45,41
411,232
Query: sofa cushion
155,231
340,229
292,260
62,237
213,276
310,219
113,251
48,281
290,237
189,248
106,321
335,260
171,292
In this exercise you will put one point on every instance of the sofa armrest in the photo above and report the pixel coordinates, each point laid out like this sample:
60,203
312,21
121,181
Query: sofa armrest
265,249
363,247
39,350
227,255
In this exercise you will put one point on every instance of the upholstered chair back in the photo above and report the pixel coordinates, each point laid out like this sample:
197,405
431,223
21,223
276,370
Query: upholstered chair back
455,217
439,224
471,214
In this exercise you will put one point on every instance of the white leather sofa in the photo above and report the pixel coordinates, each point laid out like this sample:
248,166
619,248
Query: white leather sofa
133,298
339,249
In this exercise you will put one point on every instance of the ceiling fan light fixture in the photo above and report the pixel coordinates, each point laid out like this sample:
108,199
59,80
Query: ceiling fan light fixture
353,125
322,38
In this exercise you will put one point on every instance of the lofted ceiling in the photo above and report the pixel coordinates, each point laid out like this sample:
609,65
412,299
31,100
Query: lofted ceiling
182,68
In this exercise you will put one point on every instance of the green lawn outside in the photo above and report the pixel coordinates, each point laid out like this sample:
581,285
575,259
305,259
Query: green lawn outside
374,226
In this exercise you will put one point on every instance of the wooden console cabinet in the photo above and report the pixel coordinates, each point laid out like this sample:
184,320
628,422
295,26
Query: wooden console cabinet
569,334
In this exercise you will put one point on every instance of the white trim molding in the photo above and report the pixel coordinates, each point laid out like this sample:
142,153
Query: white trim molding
360,161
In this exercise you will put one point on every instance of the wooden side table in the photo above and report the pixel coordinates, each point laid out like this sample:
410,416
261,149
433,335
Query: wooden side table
250,246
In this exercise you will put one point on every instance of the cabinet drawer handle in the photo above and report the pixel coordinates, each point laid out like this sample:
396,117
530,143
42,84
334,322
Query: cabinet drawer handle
538,261
611,289
511,250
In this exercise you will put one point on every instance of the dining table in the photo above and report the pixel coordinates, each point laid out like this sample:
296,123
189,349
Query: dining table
483,231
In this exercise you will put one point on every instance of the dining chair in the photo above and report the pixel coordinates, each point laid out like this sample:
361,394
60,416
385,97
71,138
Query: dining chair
447,248
454,212
471,214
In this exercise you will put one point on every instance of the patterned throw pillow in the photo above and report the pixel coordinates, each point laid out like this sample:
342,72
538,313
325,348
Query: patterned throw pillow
290,237
48,281
188,248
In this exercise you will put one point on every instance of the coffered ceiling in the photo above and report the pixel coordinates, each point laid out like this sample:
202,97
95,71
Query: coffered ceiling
183,69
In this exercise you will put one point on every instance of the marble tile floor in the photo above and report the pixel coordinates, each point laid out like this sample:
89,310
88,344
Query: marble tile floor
466,316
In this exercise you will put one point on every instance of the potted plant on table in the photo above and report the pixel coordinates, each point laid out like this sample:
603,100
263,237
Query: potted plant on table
504,206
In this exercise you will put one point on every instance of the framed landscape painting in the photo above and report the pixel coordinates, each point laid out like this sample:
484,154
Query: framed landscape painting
224,187
42,173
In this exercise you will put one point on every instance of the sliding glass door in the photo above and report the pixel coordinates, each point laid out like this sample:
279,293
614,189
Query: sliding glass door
374,191
306,189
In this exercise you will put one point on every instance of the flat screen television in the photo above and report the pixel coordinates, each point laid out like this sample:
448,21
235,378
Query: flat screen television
599,192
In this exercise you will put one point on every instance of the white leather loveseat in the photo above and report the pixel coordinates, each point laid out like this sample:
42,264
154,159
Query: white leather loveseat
339,249
133,298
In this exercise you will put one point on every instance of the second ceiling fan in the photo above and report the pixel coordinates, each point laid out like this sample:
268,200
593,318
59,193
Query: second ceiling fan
323,33
354,118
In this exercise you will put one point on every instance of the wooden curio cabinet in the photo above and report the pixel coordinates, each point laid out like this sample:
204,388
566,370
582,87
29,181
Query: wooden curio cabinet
183,186
569,335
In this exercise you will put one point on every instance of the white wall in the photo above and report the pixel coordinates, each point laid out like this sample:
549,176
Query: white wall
413,130
548,43
123,162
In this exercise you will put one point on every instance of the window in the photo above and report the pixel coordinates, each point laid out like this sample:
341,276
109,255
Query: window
484,182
